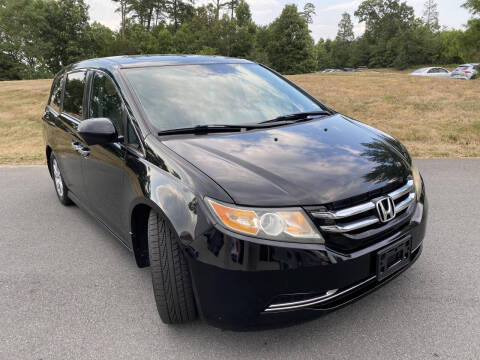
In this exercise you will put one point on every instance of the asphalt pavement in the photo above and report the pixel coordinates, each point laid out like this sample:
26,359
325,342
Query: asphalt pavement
69,290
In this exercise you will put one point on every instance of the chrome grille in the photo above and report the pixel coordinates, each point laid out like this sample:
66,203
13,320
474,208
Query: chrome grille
356,218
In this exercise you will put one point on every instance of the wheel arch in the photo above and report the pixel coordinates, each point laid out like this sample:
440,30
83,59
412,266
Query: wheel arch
139,228
139,233
48,153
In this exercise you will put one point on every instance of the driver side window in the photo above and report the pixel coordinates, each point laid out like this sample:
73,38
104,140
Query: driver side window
105,102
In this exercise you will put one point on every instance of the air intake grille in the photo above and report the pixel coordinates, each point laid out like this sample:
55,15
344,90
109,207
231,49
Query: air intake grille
357,226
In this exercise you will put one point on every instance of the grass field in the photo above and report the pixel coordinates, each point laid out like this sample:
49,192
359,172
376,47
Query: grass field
433,117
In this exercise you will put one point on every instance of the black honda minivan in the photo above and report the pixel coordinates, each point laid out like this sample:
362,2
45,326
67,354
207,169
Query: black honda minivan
252,202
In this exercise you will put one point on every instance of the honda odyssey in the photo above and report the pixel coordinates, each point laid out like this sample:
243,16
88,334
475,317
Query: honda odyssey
251,201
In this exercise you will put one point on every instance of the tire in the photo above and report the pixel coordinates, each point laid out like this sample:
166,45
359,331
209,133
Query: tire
60,187
172,284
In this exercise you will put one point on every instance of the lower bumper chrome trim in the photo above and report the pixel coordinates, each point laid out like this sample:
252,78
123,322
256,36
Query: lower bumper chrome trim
329,295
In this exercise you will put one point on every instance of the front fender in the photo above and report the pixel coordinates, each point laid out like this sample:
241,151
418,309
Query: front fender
173,187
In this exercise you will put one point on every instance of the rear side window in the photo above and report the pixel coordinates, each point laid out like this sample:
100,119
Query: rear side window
56,96
106,101
73,98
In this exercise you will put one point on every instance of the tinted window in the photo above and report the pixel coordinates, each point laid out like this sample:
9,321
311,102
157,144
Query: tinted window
184,96
73,98
442,71
132,138
56,97
105,101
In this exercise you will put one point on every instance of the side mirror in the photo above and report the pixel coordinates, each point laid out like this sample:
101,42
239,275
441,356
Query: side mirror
98,131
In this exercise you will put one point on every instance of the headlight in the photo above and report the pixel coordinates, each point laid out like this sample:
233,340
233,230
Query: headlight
275,224
417,180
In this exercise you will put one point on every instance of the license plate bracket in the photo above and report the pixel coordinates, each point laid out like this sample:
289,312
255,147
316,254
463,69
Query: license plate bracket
393,258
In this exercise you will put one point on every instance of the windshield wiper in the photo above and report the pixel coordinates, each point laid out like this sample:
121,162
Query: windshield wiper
211,128
298,116
205,129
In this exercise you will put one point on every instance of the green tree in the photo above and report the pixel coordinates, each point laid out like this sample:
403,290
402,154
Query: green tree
291,51
470,41
416,45
44,35
179,11
263,37
219,4
243,13
450,47
122,9
39,37
385,21
20,23
473,6
309,12
244,38
232,5
342,47
145,11
345,29
430,15
9,68
471,38
323,59
100,38
65,35
360,52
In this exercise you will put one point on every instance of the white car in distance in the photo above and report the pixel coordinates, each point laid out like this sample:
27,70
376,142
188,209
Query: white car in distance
433,72
466,71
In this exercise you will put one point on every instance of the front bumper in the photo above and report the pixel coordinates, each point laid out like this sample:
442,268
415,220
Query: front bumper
243,283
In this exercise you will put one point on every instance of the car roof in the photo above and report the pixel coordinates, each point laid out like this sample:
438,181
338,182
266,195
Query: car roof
429,68
118,62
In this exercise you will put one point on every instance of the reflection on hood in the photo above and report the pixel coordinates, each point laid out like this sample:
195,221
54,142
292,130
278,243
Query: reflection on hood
310,163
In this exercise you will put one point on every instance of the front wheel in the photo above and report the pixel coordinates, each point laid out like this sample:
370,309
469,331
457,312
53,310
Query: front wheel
60,187
172,284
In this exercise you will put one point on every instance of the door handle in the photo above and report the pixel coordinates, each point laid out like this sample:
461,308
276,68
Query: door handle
84,151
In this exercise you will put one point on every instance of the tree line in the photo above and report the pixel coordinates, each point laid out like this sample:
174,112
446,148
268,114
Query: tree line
39,37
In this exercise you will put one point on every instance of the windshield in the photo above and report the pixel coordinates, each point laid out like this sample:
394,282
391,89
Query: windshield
184,96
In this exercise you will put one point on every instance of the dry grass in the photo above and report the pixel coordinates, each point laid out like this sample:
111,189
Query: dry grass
433,117
21,108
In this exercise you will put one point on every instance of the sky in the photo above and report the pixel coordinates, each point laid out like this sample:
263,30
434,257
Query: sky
325,22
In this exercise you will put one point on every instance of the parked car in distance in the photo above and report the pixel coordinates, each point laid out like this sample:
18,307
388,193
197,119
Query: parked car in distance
351,70
251,201
466,71
332,70
432,71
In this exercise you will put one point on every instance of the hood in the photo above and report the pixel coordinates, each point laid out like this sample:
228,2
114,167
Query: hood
311,163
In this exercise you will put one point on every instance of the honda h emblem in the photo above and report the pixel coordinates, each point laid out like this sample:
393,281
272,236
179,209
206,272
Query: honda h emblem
385,209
